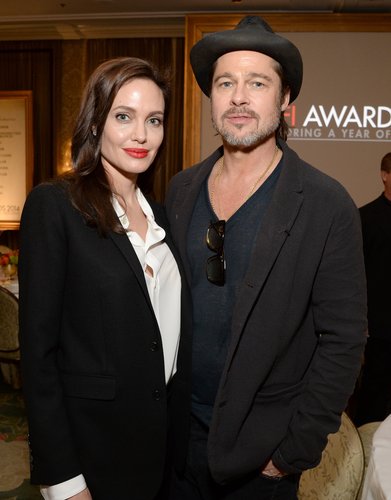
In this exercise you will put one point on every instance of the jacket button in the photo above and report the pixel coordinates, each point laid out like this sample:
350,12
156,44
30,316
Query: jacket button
154,346
156,395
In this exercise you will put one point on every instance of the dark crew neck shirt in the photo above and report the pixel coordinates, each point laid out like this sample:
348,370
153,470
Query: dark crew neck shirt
213,305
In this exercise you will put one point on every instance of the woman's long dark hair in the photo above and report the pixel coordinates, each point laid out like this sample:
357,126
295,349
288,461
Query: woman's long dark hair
88,185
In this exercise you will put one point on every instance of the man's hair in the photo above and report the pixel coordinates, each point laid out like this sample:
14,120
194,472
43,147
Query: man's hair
283,128
386,163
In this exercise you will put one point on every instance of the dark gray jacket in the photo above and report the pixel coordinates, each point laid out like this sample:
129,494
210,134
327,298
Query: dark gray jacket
298,327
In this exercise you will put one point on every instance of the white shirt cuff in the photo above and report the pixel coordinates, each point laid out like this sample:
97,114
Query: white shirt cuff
64,490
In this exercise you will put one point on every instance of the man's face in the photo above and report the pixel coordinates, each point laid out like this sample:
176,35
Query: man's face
386,178
246,98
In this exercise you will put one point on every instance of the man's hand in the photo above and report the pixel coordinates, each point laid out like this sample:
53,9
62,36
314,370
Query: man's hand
83,495
271,470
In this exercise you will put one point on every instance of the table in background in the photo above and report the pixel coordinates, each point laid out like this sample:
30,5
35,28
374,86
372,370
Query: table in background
12,286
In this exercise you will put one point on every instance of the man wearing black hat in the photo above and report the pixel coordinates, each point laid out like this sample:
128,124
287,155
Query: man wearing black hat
273,253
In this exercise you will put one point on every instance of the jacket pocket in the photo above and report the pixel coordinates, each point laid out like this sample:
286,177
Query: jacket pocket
88,386
279,391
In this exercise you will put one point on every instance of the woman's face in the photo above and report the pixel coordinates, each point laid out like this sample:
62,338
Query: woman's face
133,131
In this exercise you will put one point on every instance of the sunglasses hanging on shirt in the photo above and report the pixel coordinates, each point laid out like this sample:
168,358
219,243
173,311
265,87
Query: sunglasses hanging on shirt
215,265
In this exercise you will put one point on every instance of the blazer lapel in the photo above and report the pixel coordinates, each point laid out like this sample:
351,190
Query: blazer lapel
281,215
161,220
184,203
126,248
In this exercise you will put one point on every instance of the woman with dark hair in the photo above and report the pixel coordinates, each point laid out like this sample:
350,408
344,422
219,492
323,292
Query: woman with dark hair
100,303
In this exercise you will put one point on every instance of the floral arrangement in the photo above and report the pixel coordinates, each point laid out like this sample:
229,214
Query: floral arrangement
9,263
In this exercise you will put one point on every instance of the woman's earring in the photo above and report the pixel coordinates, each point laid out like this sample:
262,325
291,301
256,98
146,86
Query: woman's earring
94,131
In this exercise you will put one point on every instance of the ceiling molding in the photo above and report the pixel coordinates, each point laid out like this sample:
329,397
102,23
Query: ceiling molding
151,24
93,28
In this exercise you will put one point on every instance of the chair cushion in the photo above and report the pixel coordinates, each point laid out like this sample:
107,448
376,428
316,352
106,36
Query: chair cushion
340,472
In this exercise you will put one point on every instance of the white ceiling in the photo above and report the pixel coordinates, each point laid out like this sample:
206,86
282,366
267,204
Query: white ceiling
67,19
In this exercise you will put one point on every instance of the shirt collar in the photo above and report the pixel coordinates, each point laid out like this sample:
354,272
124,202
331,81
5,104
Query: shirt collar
155,232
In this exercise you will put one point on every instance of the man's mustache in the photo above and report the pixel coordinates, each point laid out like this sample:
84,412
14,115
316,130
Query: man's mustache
240,111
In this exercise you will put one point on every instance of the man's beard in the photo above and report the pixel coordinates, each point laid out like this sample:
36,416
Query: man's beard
252,138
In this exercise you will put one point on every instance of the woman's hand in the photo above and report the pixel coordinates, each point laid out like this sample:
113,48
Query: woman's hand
83,495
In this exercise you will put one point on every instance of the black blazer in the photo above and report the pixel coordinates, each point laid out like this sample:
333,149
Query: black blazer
376,230
298,325
92,360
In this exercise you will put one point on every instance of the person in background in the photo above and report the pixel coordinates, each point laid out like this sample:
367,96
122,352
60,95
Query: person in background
272,249
103,339
374,389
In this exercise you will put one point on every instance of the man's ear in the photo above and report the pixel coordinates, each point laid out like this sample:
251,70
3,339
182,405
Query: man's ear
285,100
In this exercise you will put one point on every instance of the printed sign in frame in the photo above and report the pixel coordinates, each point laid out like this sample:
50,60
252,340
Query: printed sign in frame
16,155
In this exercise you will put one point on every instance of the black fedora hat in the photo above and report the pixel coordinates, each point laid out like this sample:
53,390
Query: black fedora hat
252,33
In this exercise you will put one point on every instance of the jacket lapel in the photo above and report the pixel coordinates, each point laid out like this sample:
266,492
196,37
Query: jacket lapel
161,220
126,248
281,215
182,209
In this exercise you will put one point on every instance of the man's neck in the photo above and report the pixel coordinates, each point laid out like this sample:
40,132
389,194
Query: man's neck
387,194
238,162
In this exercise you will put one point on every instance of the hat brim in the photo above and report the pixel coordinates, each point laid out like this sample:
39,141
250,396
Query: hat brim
207,50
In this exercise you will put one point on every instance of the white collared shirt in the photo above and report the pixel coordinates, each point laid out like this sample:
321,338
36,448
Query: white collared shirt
164,289
164,286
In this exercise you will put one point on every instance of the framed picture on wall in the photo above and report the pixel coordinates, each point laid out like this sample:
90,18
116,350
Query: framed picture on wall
16,155
341,121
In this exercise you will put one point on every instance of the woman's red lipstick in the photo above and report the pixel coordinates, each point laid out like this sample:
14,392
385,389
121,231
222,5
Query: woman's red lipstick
136,152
